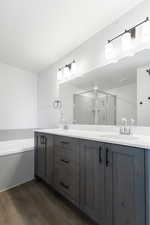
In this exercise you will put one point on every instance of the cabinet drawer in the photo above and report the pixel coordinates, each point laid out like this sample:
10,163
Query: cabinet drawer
65,157
64,142
66,182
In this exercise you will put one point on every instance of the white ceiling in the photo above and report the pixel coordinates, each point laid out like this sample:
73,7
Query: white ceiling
36,33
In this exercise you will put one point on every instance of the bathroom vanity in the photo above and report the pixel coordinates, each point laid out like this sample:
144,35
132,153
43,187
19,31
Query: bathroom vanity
106,178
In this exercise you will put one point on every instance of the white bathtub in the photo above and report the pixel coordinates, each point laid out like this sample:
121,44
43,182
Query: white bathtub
16,162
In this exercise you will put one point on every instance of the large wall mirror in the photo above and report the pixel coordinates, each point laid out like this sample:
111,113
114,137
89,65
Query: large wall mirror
107,94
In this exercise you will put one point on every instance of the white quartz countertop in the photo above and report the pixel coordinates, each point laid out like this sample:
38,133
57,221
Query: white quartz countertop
140,141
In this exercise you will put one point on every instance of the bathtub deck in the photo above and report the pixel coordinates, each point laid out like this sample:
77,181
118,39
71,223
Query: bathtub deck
35,204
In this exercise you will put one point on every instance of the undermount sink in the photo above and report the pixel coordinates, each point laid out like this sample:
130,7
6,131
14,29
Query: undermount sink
120,136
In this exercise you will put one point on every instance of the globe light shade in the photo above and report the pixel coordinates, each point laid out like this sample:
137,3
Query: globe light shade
126,42
66,72
59,75
128,45
73,67
110,52
146,32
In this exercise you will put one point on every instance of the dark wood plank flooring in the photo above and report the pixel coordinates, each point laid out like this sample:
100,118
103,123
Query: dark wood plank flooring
34,203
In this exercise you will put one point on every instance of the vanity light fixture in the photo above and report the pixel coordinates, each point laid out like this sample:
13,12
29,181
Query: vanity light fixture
66,72
127,38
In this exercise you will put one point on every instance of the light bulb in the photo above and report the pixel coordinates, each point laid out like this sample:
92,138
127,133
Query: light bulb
146,32
59,75
126,42
73,67
110,52
66,72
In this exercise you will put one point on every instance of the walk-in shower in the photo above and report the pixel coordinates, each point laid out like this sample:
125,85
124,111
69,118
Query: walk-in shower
94,106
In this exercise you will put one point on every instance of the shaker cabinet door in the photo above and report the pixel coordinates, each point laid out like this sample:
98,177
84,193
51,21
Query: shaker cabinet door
41,156
92,180
44,157
49,159
125,184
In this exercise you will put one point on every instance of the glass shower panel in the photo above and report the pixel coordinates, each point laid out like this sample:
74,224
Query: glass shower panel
94,107
84,112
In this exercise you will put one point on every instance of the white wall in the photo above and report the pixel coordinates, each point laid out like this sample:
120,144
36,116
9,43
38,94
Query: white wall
88,55
18,98
47,93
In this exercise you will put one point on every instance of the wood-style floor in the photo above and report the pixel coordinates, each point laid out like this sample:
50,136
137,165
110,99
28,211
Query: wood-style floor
34,203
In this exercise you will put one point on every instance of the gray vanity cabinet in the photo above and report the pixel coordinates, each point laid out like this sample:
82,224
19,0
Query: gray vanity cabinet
107,182
92,186
124,186
44,157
